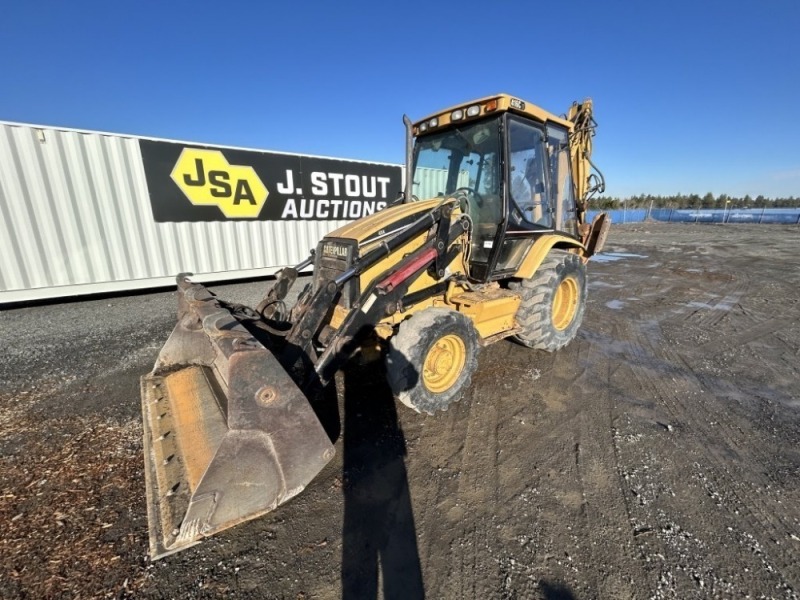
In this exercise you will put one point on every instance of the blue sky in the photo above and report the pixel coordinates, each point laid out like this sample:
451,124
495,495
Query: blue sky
690,97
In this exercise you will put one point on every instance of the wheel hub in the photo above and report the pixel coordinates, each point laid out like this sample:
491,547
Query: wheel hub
444,363
565,303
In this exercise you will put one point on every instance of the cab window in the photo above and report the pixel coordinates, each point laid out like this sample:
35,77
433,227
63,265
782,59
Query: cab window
529,193
561,188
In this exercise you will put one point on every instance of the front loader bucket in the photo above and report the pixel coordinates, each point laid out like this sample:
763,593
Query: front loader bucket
228,436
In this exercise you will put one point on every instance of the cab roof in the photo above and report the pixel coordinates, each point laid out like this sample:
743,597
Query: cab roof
498,103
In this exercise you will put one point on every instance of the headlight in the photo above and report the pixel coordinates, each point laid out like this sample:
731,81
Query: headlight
457,115
473,111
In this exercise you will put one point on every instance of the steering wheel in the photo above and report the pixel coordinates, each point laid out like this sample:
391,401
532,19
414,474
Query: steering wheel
467,191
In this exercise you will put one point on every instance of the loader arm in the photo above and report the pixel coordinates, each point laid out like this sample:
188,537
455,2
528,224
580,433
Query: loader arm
384,294
313,309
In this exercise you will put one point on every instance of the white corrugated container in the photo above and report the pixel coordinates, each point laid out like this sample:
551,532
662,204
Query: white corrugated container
429,183
76,218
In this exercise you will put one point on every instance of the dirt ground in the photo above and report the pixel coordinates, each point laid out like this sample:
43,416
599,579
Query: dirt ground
654,457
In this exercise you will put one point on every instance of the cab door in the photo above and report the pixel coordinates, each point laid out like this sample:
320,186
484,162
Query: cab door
565,218
528,194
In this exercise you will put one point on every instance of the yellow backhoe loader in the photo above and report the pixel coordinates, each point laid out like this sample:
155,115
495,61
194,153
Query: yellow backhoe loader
488,241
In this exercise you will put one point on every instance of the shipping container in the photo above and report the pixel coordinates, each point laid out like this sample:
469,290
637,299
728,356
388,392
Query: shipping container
86,212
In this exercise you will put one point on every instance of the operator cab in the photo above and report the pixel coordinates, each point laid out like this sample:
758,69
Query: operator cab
509,165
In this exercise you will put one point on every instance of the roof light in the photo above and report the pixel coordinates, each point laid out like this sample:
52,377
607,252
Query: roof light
457,115
473,110
423,127
490,106
433,122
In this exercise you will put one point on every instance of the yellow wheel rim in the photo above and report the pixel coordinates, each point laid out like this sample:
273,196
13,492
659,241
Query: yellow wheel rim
565,303
444,363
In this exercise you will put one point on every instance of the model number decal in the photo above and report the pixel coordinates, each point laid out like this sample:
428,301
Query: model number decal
335,251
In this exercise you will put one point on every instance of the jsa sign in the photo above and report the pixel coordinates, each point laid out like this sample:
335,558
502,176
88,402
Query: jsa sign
207,179
192,183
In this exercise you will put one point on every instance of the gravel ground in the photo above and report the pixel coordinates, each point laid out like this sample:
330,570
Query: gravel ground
654,457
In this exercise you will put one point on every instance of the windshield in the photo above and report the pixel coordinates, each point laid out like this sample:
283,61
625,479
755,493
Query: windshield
463,157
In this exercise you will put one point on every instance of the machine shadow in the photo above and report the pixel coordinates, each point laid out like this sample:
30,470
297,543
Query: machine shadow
555,591
379,538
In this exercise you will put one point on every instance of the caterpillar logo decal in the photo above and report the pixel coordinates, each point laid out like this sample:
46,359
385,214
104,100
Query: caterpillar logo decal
207,179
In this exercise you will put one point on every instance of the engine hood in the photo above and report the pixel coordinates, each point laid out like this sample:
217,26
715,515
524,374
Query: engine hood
384,222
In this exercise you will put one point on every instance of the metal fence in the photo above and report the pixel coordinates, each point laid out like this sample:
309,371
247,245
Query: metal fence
787,216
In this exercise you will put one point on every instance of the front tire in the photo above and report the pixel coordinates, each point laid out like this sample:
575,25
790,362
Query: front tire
553,302
431,359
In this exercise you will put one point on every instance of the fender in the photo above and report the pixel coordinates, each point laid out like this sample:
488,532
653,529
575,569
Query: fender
539,250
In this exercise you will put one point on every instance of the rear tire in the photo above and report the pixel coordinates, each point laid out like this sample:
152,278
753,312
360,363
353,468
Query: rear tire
431,359
553,302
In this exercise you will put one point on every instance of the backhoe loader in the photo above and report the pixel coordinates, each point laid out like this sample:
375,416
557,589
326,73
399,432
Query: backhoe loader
489,240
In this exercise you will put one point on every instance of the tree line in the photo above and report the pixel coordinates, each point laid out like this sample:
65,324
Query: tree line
693,201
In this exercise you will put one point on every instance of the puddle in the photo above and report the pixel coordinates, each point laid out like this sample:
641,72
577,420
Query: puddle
720,306
698,305
603,284
615,256
727,303
615,304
